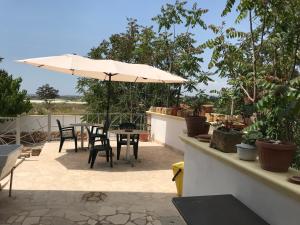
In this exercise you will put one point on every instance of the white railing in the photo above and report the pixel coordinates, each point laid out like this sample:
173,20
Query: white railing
35,129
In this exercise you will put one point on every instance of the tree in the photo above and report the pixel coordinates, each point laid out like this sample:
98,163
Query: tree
183,54
47,93
175,52
269,51
13,101
274,40
137,44
272,46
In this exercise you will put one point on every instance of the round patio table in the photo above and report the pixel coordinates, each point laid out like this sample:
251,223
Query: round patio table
82,125
128,157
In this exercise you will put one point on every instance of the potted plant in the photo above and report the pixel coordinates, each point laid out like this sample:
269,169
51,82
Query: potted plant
152,109
279,111
247,149
195,123
174,111
144,137
225,138
36,151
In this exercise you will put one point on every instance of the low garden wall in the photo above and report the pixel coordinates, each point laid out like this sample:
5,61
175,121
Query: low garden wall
31,123
211,172
165,129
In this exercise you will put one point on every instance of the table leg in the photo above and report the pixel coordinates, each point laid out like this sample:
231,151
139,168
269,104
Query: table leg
11,181
128,147
81,132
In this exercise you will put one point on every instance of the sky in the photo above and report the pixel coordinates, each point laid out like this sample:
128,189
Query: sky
35,28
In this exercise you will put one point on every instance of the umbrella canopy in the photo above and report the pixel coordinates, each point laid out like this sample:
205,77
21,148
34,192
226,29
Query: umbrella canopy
107,70
103,69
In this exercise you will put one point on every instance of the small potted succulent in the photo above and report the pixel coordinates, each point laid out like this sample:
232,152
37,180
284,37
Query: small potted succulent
247,149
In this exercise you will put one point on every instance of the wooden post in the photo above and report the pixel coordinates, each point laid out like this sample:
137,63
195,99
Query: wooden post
18,130
49,127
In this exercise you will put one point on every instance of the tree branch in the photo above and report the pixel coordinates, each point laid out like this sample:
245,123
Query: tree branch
263,29
247,93
295,57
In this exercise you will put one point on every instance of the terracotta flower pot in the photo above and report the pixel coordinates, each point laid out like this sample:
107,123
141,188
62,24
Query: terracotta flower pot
275,157
174,111
196,125
144,137
164,110
158,109
179,112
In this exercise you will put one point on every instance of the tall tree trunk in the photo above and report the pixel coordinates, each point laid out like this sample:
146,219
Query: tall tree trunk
253,56
295,57
178,96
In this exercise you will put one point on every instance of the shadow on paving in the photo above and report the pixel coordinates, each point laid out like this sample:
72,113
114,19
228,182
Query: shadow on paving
149,158
47,207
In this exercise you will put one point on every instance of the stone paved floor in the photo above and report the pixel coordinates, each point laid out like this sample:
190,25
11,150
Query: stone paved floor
60,189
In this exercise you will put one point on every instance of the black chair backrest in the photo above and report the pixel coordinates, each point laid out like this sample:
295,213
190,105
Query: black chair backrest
106,126
88,130
59,127
93,130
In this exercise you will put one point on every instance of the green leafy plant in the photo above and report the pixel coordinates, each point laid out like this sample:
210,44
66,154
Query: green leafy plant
13,101
279,110
267,64
195,102
251,136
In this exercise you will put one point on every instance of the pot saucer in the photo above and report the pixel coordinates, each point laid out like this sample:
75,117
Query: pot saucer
203,137
294,179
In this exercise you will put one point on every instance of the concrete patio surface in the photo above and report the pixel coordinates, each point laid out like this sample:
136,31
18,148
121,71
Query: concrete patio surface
60,188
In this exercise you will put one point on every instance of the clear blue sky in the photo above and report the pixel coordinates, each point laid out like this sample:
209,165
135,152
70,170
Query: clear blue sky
37,28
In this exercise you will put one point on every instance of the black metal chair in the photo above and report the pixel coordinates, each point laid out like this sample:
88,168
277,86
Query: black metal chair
105,129
97,132
93,133
104,145
66,133
122,139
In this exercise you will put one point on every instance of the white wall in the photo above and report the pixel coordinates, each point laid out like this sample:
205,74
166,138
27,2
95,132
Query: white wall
206,175
32,123
166,130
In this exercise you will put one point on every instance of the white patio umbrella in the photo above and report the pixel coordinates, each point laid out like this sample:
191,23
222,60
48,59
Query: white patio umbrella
107,70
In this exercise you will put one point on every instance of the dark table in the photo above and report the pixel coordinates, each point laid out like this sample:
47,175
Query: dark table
216,210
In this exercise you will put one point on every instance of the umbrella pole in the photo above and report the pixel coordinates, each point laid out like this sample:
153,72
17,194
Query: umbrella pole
108,96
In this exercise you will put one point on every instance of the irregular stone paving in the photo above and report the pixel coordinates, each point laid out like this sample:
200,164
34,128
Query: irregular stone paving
60,189
85,213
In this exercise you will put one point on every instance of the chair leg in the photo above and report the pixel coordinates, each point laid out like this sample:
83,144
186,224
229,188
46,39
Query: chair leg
135,150
107,155
75,139
94,155
62,140
118,151
111,157
90,156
